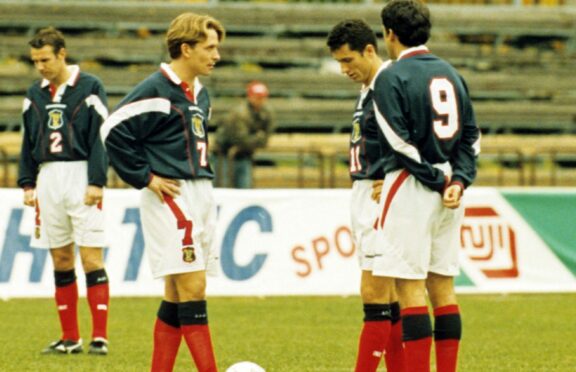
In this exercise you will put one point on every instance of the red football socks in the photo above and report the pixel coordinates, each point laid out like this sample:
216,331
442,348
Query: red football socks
417,330
193,318
67,304
166,344
98,295
374,336
394,354
198,340
372,343
447,333
99,299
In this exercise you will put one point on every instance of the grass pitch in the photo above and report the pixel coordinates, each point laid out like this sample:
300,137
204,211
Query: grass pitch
501,333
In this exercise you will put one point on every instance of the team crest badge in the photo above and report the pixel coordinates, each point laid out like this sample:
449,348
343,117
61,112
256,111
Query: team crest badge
356,134
188,254
55,119
197,127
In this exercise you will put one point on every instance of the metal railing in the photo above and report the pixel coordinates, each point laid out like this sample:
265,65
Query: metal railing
320,161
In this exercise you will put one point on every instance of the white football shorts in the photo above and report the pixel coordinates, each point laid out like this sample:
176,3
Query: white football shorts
363,215
178,233
420,235
61,215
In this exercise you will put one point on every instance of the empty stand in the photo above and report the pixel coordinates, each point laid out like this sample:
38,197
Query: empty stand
518,62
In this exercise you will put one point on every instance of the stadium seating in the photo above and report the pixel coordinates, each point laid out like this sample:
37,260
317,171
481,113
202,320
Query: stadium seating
518,61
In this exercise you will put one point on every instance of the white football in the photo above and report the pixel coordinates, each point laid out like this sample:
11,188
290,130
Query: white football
245,367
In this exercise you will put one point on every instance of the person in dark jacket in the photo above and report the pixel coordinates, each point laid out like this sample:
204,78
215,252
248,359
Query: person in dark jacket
157,141
63,172
246,129
353,45
431,142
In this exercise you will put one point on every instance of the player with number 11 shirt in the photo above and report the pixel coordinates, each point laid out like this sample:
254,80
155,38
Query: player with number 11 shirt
353,44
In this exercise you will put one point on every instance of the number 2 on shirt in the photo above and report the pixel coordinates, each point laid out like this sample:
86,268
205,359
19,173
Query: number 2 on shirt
55,142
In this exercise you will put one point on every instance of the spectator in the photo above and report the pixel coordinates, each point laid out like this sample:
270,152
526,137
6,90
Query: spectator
246,129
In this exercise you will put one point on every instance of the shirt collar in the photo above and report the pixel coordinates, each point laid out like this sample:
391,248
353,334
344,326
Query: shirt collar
74,71
384,65
171,75
407,53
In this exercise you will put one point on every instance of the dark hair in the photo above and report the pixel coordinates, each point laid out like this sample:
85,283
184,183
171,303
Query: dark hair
48,36
409,19
354,32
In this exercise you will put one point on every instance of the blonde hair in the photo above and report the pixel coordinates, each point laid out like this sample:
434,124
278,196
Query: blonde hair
190,28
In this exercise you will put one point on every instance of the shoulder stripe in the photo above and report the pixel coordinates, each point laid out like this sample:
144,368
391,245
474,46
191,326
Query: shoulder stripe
397,143
476,144
134,109
197,88
94,100
26,105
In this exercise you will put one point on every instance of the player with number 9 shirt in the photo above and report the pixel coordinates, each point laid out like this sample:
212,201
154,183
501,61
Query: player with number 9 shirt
423,108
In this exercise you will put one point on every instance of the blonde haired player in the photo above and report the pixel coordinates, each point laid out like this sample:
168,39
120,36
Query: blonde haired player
157,141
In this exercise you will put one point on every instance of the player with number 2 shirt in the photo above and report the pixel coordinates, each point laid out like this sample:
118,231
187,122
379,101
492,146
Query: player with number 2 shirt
62,170
423,108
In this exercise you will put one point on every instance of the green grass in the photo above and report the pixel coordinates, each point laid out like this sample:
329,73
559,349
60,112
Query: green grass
501,333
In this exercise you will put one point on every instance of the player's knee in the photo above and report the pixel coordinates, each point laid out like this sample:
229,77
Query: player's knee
441,296
411,292
63,261
192,294
92,259
443,299
92,264
191,287
441,291
63,257
367,294
371,295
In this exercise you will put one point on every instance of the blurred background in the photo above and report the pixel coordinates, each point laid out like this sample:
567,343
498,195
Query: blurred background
517,56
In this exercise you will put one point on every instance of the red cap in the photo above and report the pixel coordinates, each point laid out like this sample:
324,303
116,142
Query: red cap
257,89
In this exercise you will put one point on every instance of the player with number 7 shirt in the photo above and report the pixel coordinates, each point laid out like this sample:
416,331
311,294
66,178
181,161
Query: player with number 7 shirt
424,111
157,140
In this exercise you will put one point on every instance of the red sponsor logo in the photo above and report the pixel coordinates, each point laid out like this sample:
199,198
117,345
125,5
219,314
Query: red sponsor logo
490,242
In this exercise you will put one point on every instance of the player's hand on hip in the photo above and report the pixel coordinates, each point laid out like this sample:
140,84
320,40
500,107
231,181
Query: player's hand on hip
452,196
164,186
377,190
94,195
29,197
